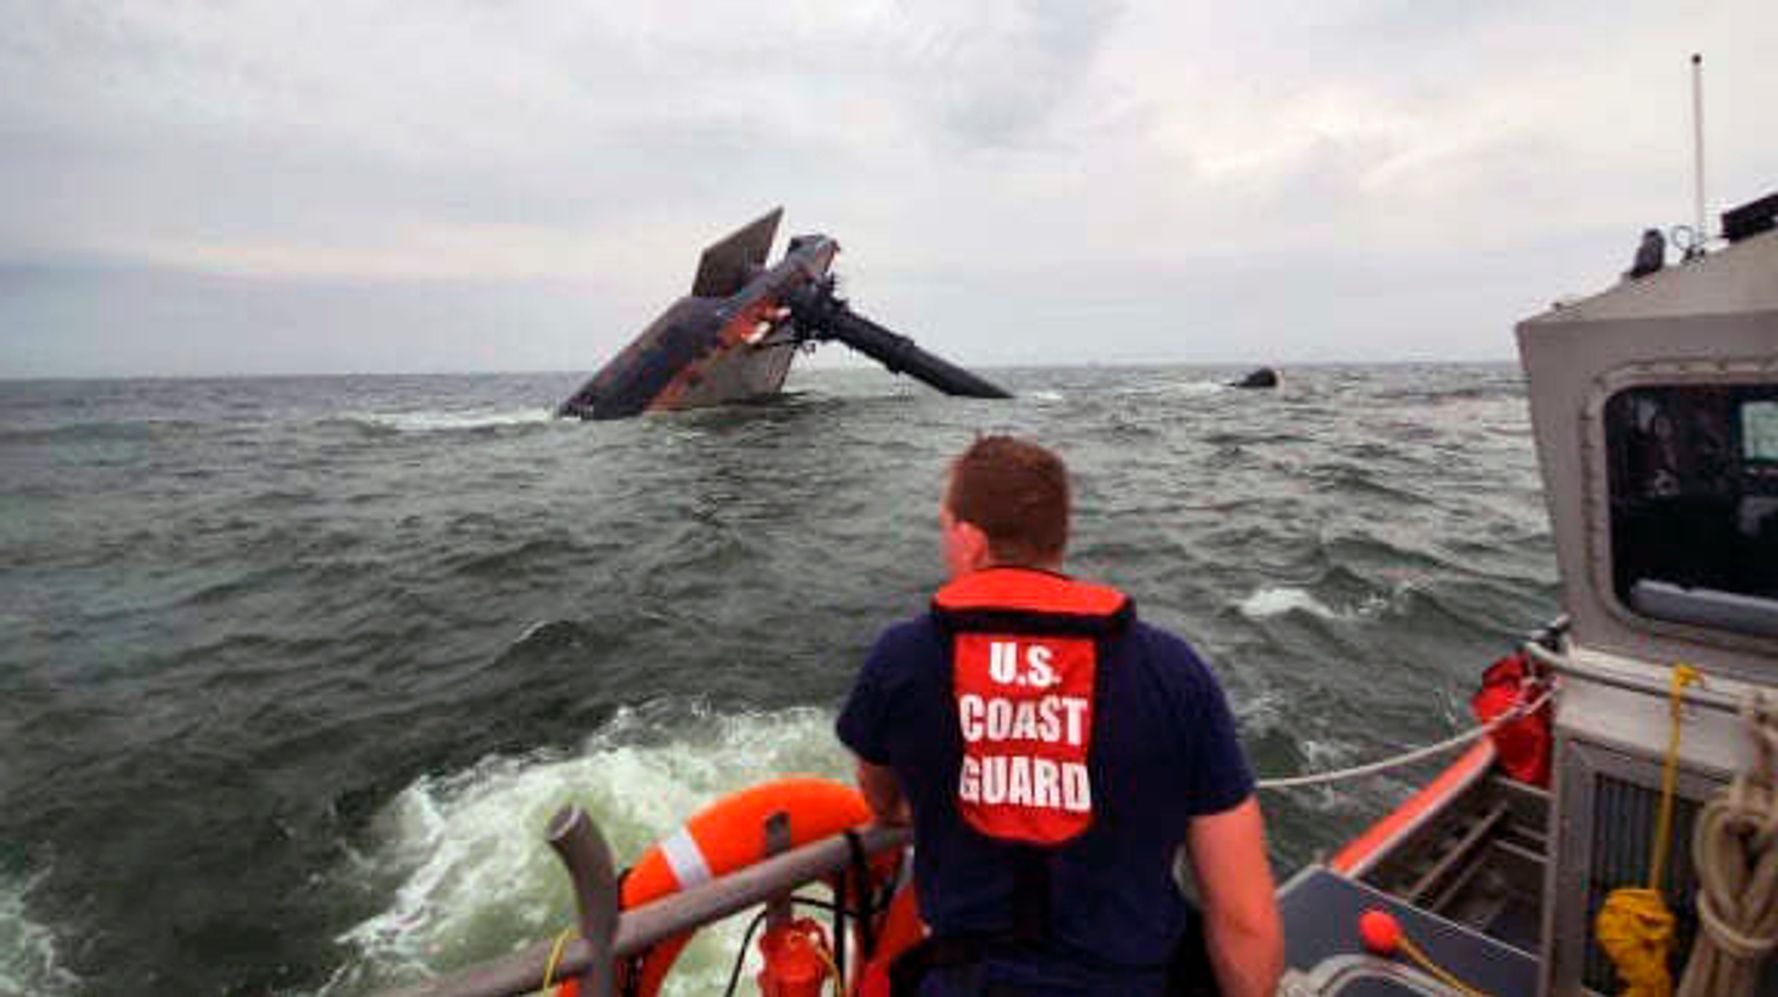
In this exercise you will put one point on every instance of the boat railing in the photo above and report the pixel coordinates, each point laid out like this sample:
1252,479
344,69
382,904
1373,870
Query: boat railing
1564,664
608,935
574,837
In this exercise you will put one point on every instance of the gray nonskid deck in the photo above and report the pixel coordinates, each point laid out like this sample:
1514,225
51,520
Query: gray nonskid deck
1320,909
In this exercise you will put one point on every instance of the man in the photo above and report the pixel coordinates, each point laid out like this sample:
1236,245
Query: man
1053,755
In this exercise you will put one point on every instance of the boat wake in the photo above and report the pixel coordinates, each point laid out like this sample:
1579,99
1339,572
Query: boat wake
28,960
463,871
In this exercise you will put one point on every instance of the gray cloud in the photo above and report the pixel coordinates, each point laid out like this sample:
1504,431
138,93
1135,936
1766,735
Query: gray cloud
1325,179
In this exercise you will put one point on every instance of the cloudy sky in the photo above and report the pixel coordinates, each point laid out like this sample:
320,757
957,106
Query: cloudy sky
369,185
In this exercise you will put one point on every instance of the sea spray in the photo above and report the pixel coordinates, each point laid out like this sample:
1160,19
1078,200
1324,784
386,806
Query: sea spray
473,879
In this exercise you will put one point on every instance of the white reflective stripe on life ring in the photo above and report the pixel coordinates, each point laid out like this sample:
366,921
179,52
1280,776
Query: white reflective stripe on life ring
686,859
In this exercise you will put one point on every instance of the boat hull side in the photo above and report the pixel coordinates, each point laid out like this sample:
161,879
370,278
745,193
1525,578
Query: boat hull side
1363,853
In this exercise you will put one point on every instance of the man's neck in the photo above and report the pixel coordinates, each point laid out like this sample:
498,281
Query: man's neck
1051,567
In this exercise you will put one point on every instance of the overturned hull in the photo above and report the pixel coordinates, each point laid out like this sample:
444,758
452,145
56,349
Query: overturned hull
735,336
694,355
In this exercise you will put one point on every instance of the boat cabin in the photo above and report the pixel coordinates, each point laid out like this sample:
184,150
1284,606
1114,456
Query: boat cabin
1655,410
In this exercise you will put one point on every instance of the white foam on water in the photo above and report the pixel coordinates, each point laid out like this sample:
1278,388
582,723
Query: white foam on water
1323,754
1190,388
1265,603
532,629
1326,755
1377,604
1269,602
28,961
475,879
426,422
1184,388
1045,396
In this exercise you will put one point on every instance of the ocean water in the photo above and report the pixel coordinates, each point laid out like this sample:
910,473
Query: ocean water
293,671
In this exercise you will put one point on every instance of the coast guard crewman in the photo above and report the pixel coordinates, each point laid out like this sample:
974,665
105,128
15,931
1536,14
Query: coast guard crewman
1053,754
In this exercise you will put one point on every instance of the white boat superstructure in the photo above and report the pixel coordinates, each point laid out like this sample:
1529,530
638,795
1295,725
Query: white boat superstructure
1655,410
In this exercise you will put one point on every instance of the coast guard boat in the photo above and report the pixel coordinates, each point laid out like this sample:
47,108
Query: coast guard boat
1613,822
1655,410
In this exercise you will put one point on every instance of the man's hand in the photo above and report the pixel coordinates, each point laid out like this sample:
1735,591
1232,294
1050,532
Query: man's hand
1241,926
883,792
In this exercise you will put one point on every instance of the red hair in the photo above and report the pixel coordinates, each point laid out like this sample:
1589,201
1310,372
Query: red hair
1016,493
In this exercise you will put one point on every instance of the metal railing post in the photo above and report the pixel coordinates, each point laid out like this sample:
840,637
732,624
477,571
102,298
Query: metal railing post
582,849
777,829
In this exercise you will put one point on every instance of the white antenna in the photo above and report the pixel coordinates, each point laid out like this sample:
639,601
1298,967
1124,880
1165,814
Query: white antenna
1697,246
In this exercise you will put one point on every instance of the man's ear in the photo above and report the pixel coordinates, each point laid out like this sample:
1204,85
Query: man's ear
975,544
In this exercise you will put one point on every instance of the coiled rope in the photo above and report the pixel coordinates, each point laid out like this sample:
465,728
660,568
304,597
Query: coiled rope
1734,850
1409,757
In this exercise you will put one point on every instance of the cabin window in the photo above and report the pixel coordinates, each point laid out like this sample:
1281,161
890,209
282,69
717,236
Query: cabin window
1693,479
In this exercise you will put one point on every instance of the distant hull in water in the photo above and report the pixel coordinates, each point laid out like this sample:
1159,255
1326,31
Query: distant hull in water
1265,377
733,339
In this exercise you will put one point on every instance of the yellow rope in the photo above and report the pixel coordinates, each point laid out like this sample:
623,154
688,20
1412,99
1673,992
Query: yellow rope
555,960
1683,675
1439,972
1634,927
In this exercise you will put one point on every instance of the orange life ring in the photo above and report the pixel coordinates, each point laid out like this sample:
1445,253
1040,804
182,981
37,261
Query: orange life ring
730,835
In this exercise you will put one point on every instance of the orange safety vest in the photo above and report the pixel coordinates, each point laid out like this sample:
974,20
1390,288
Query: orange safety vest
1025,652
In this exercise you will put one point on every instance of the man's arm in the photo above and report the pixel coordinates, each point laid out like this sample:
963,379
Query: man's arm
1241,926
883,792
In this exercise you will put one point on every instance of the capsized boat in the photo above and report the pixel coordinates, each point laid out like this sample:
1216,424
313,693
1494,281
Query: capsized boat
734,337
1613,820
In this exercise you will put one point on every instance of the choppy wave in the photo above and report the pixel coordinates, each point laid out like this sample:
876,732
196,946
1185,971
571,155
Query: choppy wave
282,601
473,879
160,429
1272,601
123,431
28,950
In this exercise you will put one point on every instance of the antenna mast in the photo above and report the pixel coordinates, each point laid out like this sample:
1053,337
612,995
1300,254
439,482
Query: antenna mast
1697,247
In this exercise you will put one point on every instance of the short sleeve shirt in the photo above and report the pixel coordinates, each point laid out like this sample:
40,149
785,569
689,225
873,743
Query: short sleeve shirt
1165,751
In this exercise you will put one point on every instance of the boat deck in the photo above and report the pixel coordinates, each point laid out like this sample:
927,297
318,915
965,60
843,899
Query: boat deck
1462,872
1321,910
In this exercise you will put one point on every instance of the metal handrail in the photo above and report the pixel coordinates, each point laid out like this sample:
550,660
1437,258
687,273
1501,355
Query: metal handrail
1563,664
637,929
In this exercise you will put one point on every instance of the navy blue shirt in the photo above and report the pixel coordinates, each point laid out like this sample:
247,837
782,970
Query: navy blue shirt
1164,751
